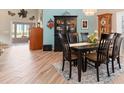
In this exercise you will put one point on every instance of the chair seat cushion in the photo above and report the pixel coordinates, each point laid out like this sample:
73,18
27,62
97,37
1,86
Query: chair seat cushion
74,56
92,57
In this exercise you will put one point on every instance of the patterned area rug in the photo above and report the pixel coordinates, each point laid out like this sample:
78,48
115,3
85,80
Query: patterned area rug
89,77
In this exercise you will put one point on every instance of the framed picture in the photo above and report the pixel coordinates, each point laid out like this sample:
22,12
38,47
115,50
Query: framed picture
84,24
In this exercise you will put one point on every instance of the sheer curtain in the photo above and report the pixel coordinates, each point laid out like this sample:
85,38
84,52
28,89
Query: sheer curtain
120,28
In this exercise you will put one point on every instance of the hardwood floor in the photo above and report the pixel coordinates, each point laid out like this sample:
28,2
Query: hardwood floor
19,65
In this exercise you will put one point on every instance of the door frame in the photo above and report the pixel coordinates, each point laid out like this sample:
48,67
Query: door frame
23,39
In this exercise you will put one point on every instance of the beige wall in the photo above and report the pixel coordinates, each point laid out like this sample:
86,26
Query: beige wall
6,21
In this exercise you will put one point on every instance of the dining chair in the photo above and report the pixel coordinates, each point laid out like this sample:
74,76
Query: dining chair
101,55
68,55
114,52
84,37
73,37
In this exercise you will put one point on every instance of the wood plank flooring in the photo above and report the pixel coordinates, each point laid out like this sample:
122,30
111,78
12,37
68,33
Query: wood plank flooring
19,65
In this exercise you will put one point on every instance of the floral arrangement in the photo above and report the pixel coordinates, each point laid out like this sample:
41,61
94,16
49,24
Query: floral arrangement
92,38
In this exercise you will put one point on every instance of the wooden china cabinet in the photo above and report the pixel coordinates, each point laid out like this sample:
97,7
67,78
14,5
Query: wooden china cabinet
63,24
104,23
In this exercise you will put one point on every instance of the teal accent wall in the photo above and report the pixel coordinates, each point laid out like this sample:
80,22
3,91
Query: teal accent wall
48,35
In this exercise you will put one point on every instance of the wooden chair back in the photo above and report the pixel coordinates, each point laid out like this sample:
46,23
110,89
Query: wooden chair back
84,37
116,45
103,49
65,46
73,37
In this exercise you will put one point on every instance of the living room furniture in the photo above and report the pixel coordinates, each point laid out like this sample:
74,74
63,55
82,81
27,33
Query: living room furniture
101,55
63,24
36,38
104,23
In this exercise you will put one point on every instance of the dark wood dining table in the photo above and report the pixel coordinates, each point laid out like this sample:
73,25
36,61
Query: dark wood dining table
82,48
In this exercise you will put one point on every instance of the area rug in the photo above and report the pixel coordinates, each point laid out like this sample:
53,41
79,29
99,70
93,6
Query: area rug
89,77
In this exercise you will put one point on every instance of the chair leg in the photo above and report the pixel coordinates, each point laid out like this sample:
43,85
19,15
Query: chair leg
97,69
107,68
85,65
113,65
118,60
70,71
75,63
63,64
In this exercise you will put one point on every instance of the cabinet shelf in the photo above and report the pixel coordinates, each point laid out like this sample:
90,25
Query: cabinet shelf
63,24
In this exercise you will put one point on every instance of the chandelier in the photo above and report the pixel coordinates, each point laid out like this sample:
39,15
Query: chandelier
89,12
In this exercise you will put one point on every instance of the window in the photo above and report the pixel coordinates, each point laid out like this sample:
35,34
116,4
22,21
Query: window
122,24
21,30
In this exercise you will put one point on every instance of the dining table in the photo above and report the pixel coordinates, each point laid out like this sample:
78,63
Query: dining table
82,48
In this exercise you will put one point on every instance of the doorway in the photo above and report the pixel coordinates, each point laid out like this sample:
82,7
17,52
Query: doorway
20,32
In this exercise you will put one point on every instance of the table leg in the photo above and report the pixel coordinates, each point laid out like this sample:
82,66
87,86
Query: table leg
83,62
79,66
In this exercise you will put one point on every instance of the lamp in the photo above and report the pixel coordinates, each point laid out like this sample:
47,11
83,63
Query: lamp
89,12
